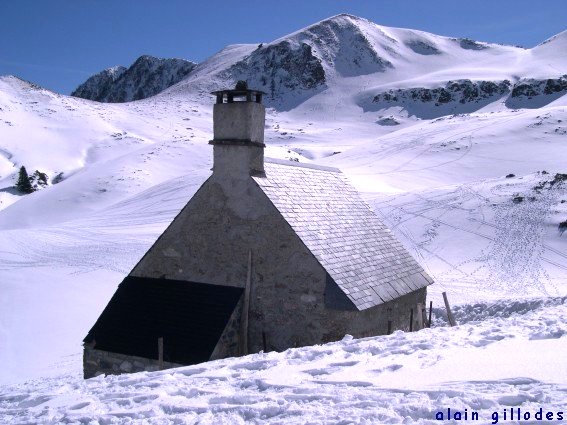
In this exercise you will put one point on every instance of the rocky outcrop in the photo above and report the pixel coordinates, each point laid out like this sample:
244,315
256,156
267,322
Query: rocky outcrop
461,91
468,44
280,69
292,69
100,85
533,93
422,48
347,48
144,78
524,93
530,87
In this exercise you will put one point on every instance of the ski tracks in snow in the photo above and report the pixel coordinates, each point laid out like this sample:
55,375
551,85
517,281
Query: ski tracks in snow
508,253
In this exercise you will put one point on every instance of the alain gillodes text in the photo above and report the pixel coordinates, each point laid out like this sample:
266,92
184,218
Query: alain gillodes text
508,414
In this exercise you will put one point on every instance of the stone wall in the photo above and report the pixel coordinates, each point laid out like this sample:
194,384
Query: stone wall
209,242
98,362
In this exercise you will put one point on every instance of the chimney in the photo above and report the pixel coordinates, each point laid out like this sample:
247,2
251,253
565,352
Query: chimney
238,120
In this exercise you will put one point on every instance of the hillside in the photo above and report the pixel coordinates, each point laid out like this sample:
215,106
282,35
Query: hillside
458,144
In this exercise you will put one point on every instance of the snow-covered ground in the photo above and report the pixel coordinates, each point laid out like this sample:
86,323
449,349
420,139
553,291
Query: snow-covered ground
491,242
503,356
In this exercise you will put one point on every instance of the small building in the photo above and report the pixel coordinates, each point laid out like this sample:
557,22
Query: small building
267,255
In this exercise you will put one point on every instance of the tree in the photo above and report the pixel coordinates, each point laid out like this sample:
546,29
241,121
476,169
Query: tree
23,184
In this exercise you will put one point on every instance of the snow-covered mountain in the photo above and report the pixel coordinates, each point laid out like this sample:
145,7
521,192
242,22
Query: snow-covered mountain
350,49
100,87
459,145
146,77
358,57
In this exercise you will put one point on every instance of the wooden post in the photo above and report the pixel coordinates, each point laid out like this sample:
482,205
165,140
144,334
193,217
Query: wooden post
430,310
419,316
264,344
389,327
452,321
245,309
411,320
160,352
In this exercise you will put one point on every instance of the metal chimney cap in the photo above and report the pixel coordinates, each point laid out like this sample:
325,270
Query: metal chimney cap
239,92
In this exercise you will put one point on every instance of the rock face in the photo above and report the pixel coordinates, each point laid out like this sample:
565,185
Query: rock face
461,91
100,85
467,91
422,48
534,93
303,63
530,87
468,44
144,78
349,46
280,68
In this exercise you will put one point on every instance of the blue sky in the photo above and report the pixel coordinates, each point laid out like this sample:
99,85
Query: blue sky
59,43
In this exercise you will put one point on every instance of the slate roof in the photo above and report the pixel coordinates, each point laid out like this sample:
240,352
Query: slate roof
351,243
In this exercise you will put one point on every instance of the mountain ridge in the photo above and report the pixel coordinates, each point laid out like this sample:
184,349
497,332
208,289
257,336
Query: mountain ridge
146,77
349,49
299,65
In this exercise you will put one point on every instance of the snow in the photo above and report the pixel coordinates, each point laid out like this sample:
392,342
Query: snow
400,378
439,183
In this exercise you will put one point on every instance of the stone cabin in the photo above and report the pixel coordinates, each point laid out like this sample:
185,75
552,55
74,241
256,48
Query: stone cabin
267,255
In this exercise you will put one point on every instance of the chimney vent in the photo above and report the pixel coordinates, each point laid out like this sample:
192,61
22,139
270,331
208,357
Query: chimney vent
238,125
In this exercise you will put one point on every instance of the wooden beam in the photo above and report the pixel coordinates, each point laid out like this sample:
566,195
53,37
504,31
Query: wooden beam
160,352
450,317
419,316
245,309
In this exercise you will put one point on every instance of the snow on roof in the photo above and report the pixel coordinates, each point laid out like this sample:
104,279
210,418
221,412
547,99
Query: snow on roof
355,248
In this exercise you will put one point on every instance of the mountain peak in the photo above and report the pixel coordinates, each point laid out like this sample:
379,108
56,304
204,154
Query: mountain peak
342,17
146,77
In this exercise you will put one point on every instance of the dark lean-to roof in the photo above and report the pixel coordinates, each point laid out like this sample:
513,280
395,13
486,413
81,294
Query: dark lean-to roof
189,316
350,242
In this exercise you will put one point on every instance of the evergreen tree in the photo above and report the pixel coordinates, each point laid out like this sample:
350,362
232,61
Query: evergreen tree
23,184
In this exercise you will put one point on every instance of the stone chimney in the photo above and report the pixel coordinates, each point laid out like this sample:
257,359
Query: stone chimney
238,120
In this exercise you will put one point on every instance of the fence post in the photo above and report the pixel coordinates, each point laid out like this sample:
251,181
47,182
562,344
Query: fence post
411,320
419,316
430,311
160,352
452,321
245,309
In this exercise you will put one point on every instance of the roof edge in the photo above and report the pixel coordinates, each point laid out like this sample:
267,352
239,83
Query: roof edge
301,165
